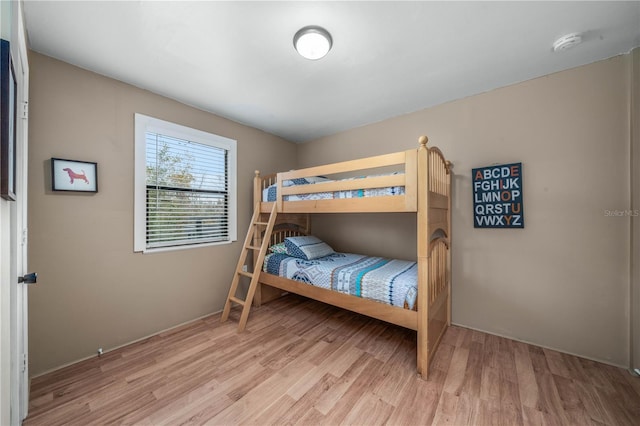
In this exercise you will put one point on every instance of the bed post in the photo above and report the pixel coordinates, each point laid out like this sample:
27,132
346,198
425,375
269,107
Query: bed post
257,187
257,198
449,167
422,257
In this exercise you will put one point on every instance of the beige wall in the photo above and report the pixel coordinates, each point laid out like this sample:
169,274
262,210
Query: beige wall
92,290
563,280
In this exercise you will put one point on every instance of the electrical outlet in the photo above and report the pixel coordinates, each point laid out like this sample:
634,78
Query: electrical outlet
244,268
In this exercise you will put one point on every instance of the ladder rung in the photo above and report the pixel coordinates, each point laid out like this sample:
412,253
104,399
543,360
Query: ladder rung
236,300
253,248
261,223
246,274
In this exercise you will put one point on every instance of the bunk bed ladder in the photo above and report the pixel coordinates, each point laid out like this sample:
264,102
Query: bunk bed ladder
253,242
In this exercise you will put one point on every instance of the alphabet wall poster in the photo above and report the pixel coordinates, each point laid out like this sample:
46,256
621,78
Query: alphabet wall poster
497,196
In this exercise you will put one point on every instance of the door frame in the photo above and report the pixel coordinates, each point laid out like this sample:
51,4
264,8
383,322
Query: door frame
19,394
634,106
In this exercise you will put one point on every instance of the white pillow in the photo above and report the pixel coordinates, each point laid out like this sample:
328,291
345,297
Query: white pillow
307,247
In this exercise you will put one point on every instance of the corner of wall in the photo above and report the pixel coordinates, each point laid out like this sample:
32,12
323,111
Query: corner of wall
634,133
139,297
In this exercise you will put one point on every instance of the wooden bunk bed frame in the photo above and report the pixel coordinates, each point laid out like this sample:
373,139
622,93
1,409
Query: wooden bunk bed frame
427,183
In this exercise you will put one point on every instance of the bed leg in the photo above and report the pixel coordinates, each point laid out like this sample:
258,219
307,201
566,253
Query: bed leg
423,356
257,297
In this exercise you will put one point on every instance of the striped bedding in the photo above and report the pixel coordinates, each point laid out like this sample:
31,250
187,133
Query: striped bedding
269,193
384,280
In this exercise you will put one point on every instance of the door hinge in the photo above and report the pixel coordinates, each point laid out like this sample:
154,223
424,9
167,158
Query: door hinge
24,236
24,362
25,110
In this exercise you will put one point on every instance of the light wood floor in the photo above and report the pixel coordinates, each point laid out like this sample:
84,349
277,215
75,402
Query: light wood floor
302,362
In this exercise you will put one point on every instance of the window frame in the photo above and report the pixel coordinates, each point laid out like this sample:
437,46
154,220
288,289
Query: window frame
144,124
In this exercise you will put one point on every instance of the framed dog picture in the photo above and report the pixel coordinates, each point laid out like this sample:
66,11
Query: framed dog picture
71,175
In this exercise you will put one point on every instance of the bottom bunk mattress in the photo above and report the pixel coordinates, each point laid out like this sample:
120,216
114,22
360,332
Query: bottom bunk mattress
389,281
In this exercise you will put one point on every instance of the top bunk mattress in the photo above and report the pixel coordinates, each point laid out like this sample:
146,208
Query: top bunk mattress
389,281
270,193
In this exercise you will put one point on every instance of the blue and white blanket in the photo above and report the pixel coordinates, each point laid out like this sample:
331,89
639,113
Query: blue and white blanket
269,193
389,281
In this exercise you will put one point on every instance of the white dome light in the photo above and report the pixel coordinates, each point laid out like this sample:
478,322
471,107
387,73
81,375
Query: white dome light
312,42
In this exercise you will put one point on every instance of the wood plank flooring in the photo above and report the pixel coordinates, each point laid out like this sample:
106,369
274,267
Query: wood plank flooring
303,362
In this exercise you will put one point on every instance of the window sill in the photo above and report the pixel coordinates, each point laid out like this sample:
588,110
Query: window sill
183,247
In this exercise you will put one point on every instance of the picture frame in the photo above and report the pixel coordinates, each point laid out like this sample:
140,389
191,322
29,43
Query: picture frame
8,113
498,196
73,175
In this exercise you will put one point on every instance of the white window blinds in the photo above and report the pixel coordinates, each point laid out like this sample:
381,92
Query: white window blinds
187,192
189,189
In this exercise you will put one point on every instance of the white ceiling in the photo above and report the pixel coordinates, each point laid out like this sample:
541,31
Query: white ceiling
236,59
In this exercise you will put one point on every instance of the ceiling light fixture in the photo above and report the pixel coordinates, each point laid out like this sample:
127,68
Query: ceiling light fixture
567,41
312,42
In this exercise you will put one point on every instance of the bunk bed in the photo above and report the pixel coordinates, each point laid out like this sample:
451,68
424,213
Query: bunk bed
284,202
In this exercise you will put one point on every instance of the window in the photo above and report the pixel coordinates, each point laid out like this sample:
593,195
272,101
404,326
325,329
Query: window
185,186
